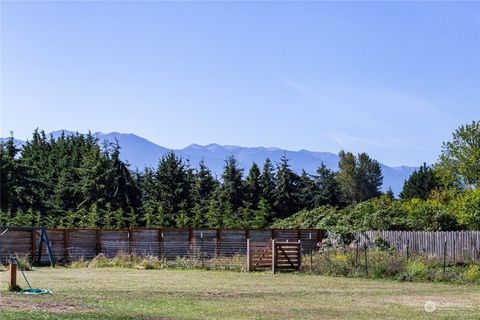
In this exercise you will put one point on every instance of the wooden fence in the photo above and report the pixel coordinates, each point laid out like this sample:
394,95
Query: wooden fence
71,244
458,246
170,242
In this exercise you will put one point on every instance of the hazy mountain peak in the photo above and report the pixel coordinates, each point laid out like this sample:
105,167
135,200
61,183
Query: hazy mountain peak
141,153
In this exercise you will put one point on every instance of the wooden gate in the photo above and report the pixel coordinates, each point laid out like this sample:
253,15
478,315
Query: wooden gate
275,256
286,255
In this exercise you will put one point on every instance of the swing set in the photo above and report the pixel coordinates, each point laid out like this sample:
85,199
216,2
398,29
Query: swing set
41,232
13,262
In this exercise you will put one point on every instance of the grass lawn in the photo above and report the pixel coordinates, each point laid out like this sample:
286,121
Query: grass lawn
197,294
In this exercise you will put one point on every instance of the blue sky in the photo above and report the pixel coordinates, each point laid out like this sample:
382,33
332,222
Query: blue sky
391,79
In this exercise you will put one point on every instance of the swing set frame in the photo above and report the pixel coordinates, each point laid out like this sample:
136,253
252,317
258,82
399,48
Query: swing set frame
41,231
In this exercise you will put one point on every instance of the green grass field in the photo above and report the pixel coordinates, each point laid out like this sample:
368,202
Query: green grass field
197,294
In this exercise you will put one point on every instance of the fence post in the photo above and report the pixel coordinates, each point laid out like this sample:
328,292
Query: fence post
98,244
160,243
311,251
65,244
129,241
299,255
218,242
32,239
356,252
249,261
366,261
201,247
444,257
13,276
453,248
274,256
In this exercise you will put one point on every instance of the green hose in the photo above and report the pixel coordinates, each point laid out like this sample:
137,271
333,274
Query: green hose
35,291
32,291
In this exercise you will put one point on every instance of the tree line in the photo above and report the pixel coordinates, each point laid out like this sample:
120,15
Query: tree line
78,181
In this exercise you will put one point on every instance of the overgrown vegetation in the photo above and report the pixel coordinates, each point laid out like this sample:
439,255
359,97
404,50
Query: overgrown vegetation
379,263
125,260
460,211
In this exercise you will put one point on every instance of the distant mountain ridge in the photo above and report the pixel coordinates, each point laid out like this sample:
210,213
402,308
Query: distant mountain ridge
141,153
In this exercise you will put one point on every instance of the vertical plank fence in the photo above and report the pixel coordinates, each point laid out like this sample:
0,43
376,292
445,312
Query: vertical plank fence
458,246
73,244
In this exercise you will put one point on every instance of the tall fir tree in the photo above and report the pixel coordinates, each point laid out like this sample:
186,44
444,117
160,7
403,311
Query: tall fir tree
253,187
173,190
267,183
327,188
286,190
205,185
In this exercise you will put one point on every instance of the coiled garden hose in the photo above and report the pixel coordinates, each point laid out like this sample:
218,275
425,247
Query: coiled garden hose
32,291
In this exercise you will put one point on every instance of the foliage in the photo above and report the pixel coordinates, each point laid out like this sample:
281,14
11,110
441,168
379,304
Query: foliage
420,184
346,261
466,207
459,161
286,190
75,180
359,178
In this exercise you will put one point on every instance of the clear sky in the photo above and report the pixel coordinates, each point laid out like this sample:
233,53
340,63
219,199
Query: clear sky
392,79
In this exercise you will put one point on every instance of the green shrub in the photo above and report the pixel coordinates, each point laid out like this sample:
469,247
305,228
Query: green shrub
384,264
472,273
416,268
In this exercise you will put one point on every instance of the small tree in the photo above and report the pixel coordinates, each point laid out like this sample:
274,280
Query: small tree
459,162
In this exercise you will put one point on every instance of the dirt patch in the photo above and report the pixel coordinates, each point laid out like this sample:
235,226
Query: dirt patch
20,303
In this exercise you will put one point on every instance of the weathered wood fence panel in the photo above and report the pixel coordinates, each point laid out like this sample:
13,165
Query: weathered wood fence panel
72,244
461,246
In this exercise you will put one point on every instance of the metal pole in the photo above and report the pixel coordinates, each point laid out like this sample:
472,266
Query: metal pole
408,248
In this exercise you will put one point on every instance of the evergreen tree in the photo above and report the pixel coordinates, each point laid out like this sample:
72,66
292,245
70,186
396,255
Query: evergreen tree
231,192
307,191
389,193
267,183
420,183
286,190
18,185
205,185
327,188
173,189
253,187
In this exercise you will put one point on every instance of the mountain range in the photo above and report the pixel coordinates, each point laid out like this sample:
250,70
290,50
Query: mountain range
140,153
